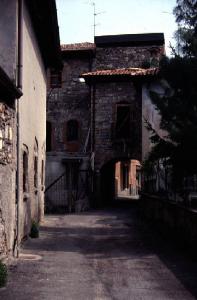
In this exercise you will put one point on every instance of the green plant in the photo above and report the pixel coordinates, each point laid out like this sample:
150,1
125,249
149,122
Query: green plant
3,274
34,233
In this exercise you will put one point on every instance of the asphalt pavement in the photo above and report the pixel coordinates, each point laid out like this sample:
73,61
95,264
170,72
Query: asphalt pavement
100,255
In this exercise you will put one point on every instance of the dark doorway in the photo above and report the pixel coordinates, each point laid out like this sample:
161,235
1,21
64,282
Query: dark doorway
107,183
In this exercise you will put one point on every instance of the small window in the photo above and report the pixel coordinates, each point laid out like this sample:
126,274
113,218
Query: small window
55,78
48,136
25,172
72,131
35,172
36,165
123,115
42,173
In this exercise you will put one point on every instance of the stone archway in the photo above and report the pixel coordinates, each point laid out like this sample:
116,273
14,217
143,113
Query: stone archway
111,185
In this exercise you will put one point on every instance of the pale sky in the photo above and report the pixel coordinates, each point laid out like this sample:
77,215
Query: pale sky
75,18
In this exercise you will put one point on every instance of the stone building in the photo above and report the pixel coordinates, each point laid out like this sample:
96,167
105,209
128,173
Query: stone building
68,128
124,68
107,111
29,46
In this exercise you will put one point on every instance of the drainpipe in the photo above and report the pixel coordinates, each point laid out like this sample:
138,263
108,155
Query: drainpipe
92,116
19,85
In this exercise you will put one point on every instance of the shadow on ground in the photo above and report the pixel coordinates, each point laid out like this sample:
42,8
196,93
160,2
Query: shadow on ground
119,233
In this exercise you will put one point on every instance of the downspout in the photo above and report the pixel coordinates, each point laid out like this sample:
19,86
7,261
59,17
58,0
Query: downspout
19,85
92,117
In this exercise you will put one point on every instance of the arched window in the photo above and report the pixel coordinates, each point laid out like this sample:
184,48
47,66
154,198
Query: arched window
36,165
72,133
25,170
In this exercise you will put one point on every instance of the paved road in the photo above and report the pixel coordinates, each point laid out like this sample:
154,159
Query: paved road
100,255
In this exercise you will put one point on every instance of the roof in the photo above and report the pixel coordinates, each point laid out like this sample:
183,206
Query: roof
8,90
78,47
44,19
141,39
129,72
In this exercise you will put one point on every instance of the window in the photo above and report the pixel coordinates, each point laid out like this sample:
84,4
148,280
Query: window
72,131
42,173
123,115
35,172
55,78
36,165
48,136
25,172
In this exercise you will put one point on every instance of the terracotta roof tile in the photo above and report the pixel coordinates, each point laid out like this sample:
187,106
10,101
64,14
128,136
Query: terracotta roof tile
124,71
78,46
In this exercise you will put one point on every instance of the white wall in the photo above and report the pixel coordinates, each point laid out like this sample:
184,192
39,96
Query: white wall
151,114
32,122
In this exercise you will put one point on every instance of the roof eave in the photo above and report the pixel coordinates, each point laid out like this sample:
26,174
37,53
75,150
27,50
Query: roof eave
44,19
8,90
106,78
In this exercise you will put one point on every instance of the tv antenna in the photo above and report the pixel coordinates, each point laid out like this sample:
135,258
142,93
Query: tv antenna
95,15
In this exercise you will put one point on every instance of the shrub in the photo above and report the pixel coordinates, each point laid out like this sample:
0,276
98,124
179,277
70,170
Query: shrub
34,233
3,274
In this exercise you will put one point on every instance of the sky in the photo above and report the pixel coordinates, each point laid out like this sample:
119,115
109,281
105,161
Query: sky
76,18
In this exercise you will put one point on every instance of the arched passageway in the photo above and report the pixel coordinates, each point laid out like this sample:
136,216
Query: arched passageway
120,178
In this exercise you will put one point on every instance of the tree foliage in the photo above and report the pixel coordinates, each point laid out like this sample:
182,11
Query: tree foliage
186,35
178,106
178,111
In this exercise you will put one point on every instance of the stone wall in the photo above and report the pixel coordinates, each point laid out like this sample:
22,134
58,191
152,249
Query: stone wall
70,102
107,96
125,57
171,218
7,179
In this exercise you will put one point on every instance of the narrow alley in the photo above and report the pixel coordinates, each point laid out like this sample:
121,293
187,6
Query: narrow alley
106,254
